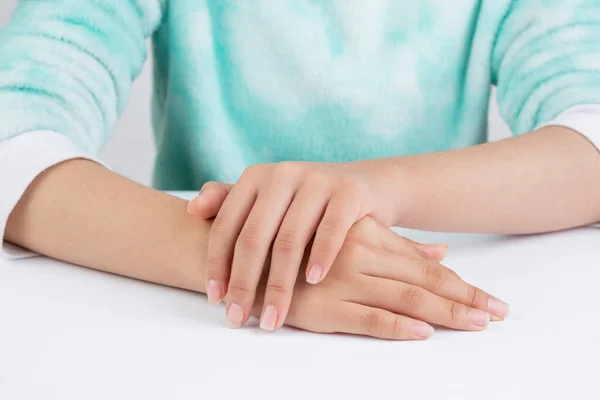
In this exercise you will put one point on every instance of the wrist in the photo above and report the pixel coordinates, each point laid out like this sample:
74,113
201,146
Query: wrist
187,248
392,189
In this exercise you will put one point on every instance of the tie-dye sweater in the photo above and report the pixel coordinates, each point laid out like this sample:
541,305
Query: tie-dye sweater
244,82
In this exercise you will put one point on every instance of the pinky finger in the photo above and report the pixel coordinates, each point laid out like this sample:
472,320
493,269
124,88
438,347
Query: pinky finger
359,319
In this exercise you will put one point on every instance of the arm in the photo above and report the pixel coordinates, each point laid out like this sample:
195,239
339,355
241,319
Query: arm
80,212
545,61
65,75
543,181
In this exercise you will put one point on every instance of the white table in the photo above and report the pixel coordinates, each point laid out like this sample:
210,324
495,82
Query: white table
71,333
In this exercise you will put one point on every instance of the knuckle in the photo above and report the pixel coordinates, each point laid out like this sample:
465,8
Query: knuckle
240,287
215,262
397,328
412,297
332,224
433,277
276,287
377,323
373,322
251,171
286,241
421,253
471,296
287,169
324,245
455,311
249,243
250,239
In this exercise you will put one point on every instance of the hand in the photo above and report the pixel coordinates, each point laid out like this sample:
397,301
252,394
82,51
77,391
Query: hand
383,286
285,205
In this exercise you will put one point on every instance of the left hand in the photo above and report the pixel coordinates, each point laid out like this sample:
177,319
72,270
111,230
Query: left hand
284,205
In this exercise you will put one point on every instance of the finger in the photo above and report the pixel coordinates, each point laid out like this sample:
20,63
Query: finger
253,245
395,243
209,201
359,319
435,278
297,228
436,251
223,234
342,212
416,302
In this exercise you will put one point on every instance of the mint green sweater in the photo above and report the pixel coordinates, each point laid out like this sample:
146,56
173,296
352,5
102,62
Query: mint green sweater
244,82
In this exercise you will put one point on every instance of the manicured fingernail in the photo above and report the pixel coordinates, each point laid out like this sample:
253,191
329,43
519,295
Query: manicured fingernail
314,274
498,308
422,330
235,316
213,291
479,318
269,318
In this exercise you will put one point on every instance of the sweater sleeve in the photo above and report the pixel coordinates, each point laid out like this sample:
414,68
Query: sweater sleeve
67,65
546,60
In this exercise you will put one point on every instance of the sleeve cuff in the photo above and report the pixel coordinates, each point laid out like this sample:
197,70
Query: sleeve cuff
22,159
584,119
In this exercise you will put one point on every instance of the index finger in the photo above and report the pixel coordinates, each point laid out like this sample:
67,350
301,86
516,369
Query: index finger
341,213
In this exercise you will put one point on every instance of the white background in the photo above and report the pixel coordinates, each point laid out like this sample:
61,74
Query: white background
134,130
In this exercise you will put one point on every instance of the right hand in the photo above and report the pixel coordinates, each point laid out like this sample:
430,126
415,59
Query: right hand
383,286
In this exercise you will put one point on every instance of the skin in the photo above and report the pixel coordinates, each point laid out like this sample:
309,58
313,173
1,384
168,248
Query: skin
382,285
284,206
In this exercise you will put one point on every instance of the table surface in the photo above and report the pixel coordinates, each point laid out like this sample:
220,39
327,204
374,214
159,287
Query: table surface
68,332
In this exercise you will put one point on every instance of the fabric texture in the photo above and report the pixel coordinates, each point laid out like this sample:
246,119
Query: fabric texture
238,83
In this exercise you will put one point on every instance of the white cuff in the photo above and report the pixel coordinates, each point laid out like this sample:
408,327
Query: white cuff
22,159
584,119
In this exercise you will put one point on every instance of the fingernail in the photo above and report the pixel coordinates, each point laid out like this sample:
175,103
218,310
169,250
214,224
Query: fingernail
235,316
498,308
314,274
269,318
213,291
422,330
189,206
479,318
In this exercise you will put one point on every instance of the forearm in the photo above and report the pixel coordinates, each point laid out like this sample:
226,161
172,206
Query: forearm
80,212
543,181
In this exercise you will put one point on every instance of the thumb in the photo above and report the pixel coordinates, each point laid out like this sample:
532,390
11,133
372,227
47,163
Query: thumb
209,201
